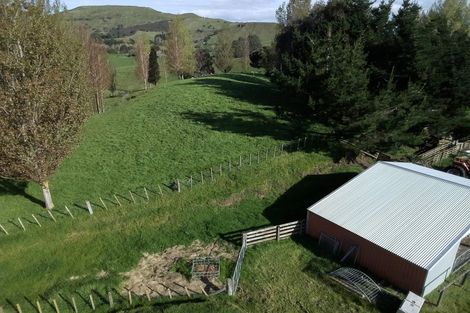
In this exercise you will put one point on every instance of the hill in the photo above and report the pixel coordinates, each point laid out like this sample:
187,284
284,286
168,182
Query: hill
125,21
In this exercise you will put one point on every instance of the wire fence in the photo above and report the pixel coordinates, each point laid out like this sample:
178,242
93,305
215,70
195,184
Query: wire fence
145,194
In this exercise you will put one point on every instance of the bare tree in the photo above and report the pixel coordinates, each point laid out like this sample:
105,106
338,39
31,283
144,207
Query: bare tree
43,92
224,52
142,51
179,49
246,54
99,68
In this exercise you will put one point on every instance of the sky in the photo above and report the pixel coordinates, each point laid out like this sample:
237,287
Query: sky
231,10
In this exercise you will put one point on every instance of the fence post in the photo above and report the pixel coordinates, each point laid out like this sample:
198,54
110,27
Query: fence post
250,158
244,239
191,181
132,196
441,295
110,299
4,230
202,177
229,286
464,279
88,206
38,305
220,169
56,306
178,185
278,232
75,309
117,200
21,223
212,175
92,303
102,202
146,194
51,215
70,213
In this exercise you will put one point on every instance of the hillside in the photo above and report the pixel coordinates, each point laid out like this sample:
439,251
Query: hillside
125,21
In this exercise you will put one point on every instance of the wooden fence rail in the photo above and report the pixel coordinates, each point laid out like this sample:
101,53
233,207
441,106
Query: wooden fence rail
443,152
251,238
275,232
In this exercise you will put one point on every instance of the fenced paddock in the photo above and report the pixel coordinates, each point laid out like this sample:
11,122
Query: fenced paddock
254,237
145,193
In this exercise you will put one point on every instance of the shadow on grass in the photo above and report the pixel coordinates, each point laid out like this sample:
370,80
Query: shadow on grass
293,204
11,187
245,122
252,89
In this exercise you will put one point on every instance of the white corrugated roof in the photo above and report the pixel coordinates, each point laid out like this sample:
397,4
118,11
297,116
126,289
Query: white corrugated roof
412,211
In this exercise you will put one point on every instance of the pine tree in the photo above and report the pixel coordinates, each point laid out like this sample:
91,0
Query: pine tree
154,68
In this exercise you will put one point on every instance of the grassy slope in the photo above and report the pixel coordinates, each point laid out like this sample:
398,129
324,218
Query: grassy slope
104,18
114,240
172,130
125,72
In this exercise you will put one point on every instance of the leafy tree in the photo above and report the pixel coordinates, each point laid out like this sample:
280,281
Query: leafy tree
154,68
223,52
44,92
142,51
204,62
292,11
179,49
254,43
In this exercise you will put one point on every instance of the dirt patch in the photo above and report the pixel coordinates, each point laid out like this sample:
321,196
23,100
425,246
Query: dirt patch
154,275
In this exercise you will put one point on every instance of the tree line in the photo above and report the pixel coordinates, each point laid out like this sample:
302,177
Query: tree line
184,59
384,80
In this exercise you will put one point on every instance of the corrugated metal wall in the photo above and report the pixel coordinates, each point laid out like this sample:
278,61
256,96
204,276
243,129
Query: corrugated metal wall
441,270
380,262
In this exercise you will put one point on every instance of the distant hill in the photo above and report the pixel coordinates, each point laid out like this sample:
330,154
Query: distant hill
125,21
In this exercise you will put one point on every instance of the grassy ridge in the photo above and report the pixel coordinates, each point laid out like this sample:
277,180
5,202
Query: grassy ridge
104,18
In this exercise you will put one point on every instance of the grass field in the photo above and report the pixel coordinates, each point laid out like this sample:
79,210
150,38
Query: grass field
149,138
172,130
